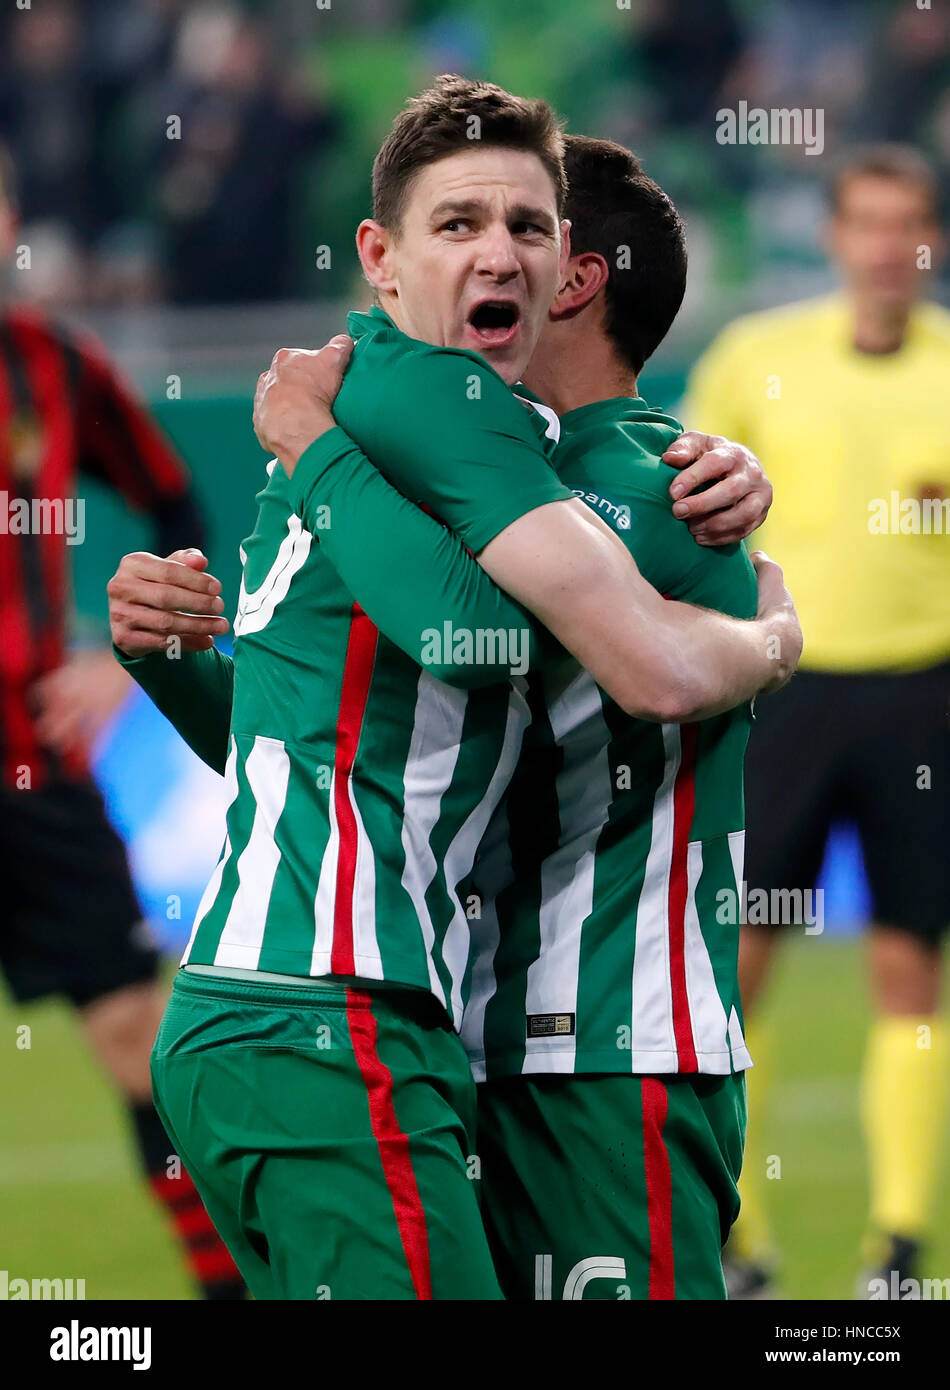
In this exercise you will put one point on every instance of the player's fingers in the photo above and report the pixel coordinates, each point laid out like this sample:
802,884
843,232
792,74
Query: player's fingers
729,526
173,597
330,365
771,580
690,446
141,618
142,565
343,344
725,493
193,558
713,464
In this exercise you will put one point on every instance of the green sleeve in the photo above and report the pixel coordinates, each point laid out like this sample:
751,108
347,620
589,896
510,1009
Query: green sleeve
408,573
194,692
445,430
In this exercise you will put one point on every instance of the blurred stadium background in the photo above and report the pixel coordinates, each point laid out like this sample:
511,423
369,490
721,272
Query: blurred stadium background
194,258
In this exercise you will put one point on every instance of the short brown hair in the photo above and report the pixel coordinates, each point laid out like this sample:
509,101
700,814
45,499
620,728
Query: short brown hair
613,205
438,123
902,163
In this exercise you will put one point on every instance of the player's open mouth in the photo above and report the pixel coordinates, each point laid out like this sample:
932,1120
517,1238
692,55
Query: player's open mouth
495,322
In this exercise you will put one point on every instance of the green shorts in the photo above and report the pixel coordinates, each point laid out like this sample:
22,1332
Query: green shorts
329,1132
610,1187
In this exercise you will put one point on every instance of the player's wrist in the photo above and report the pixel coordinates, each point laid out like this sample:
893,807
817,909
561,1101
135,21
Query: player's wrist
292,451
780,635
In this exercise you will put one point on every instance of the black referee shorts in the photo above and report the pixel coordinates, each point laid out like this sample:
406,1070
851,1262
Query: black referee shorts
70,920
869,749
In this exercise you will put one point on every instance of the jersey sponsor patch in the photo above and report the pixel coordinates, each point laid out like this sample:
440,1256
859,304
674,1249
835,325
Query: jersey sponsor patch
549,1025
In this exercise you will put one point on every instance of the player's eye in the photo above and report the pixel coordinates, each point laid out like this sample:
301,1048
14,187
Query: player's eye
527,228
456,224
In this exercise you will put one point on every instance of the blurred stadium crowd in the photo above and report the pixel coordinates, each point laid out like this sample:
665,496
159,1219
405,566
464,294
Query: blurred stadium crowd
281,107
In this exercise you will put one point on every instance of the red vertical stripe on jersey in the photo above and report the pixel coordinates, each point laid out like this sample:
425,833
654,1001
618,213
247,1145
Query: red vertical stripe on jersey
45,368
659,1184
684,802
357,672
44,365
392,1142
17,657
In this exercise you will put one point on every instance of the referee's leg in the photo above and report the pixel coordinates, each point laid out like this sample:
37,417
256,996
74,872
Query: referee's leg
901,778
793,771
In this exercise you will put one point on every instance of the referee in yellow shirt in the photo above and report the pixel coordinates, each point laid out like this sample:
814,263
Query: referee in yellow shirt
848,400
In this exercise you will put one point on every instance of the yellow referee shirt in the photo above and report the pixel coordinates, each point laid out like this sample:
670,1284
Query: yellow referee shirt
858,449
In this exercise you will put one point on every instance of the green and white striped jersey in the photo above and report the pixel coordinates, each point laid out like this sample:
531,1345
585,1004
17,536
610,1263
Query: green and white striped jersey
610,873
359,784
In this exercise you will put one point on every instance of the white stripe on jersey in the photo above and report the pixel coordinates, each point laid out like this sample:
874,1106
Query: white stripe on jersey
325,898
214,883
706,1014
267,768
584,795
366,954
255,610
652,1034
433,754
741,1060
460,855
736,841
553,420
485,938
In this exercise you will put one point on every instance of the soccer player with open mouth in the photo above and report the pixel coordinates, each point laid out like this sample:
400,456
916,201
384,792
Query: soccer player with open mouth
309,1065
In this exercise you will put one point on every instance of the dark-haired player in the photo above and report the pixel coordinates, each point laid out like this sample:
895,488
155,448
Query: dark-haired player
604,1018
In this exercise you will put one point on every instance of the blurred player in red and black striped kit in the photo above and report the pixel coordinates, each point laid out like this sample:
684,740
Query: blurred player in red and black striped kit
70,921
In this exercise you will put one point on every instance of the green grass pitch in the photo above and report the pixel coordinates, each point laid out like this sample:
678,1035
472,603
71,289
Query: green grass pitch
72,1205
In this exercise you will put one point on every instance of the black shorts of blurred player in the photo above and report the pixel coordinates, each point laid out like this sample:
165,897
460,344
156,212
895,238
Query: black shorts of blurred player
72,926
872,750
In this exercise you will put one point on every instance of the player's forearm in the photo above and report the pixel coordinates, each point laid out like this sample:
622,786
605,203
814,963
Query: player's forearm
657,659
195,692
700,663
412,576
667,661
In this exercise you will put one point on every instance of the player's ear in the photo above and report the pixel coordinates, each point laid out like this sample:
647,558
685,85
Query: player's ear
374,247
565,247
585,277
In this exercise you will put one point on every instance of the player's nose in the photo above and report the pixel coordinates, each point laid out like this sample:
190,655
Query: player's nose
497,254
